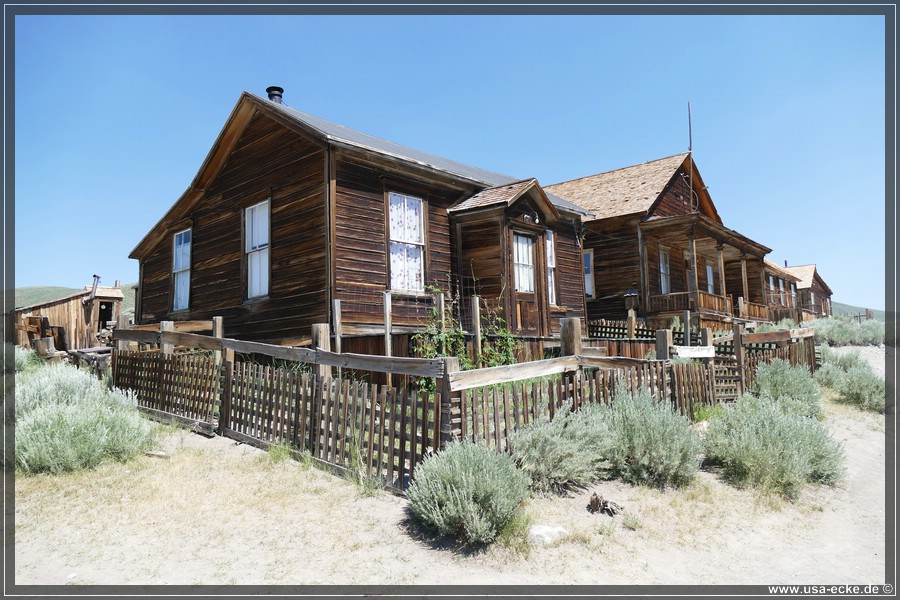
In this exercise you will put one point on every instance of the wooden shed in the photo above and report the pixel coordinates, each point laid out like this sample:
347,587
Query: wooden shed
74,320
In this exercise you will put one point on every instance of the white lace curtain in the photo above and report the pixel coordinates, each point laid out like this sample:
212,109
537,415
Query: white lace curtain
407,231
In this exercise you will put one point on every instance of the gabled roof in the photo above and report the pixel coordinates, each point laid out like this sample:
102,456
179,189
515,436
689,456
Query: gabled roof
805,275
324,133
507,195
629,190
103,293
780,271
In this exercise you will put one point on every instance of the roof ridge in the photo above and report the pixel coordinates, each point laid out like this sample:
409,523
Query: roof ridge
647,162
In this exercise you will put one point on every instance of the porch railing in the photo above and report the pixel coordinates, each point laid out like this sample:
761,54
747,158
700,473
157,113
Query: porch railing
701,301
755,311
780,299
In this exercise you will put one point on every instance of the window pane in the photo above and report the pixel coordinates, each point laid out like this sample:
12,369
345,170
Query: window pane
551,250
414,226
414,268
182,284
551,283
262,224
397,217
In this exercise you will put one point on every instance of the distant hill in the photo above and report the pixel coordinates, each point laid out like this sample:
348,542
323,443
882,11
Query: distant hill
846,309
26,296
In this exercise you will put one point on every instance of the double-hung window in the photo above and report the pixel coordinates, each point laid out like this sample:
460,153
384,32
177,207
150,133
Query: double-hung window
256,248
551,268
523,262
589,273
407,232
664,274
181,269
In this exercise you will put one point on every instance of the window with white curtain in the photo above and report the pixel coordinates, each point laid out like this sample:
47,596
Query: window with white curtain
256,247
407,233
523,262
664,274
589,273
551,268
181,269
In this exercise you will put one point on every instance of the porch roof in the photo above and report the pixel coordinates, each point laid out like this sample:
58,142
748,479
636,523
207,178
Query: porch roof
682,226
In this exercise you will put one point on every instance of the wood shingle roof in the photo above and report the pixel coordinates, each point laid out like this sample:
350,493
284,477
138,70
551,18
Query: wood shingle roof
623,191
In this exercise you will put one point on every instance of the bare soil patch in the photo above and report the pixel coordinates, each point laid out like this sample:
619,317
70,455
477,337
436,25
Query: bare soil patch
220,513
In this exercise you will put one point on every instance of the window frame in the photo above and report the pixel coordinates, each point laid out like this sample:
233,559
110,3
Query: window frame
187,270
589,273
423,245
552,272
665,275
267,248
520,267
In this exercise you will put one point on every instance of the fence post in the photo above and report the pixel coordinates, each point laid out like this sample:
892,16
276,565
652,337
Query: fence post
570,336
686,326
218,331
451,405
630,324
321,339
225,393
122,325
166,348
663,343
739,355
476,329
388,350
338,333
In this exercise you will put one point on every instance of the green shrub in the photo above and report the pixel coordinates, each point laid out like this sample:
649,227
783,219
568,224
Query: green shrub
649,442
779,326
467,491
760,442
23,359
65,420
862,387
830,375
839,331
793,385
563,452
705,412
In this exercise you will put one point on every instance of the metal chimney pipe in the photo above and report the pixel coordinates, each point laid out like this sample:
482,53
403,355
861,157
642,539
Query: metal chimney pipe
275,93
785,263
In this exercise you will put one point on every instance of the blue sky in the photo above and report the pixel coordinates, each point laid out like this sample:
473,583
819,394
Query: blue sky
115,114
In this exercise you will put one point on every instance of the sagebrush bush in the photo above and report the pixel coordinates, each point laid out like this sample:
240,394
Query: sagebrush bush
65,420
779,326
838,331
864,388
650,443
23,359
830,375
467,491
763,443
792,385
563,452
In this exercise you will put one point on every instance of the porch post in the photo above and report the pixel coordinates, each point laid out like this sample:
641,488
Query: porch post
693,283
744,277
721,251
645,281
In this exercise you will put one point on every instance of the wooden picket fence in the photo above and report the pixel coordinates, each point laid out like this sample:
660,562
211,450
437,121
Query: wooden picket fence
185,386
490,413
371,430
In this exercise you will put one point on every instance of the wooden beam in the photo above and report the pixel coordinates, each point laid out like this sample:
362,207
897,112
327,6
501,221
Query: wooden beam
420,367
462,380
777,336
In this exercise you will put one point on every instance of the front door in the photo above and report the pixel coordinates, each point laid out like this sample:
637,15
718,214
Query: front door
526,316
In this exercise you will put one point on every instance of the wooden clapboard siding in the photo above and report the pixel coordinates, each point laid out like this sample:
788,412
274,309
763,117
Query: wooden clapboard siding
482,259
570,280
361,244
616,264
268,162
674,201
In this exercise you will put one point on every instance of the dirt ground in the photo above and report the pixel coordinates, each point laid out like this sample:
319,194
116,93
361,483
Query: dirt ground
220,513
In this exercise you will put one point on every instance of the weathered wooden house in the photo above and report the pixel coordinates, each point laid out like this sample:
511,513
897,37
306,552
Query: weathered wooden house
290,212
74,320
656,243
781,293
814,294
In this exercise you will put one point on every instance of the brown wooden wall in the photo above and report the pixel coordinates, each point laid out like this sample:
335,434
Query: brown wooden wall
674,202
569,274
71,314
361,241
268,161
617,265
